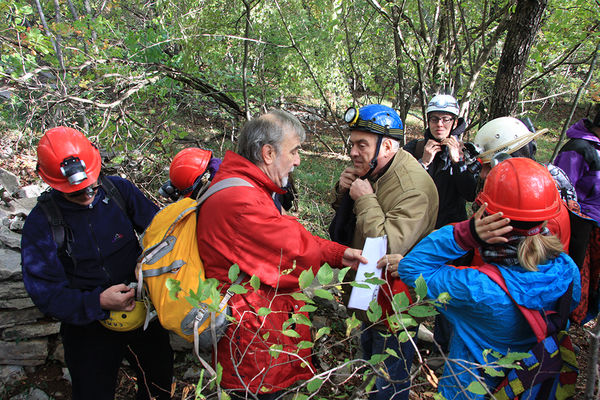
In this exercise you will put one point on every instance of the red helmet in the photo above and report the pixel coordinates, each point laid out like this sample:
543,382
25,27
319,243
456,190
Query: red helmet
67,160
187,166
522,189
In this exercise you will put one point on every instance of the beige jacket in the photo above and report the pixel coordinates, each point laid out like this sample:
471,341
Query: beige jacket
404,206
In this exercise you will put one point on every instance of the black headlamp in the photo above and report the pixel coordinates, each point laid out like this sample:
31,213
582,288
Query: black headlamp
169,191
73,169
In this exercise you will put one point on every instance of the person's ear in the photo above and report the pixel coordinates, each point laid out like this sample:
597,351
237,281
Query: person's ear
268,154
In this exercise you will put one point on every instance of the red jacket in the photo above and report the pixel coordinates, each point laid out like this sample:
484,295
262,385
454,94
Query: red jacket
241,225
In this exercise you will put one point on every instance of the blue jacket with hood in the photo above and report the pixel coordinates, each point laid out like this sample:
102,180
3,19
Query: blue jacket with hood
482,314
104,245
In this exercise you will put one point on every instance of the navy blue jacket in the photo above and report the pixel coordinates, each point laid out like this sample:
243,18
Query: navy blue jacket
104,245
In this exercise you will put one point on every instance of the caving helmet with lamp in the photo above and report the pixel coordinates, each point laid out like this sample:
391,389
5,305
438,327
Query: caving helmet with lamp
522,189
67,160
501,137
378,119
188,172
123,321
443,103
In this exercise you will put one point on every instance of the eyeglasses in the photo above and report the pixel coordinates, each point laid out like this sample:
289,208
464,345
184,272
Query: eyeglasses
88,191
445,120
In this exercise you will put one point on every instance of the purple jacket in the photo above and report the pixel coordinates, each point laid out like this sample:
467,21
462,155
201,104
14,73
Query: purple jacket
580,159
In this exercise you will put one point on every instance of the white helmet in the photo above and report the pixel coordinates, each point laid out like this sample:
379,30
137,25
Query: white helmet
502,135
443,103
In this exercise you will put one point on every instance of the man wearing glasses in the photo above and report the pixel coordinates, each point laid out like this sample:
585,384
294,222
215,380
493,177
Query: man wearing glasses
79,250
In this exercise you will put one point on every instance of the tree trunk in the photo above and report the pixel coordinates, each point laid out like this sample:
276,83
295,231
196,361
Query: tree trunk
522,30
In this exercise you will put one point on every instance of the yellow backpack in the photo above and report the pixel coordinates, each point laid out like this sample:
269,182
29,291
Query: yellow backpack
170,251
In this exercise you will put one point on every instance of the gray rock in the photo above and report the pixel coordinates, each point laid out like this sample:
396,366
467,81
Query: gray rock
18,303
9,181
192,373
27,352
11,373
66,374
59,353
12,289
32,394
30,191
19,317
10,238
10,265
16,225
21,207
40,329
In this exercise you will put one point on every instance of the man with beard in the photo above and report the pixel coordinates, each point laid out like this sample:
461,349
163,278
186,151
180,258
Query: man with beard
241,225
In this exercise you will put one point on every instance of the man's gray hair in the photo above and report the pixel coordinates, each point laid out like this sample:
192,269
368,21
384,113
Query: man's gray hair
267,129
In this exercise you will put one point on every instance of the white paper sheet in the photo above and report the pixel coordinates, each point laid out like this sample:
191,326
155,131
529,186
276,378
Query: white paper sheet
374,249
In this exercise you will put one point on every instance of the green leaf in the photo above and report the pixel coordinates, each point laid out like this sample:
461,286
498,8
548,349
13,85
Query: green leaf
234,272
301,319
219,373
477,388
342,273
306,278
300,396
255,282
308,308
266,335
264,311
421,287
275,350
377,358
421,311
323,331
400,302
493,371
391,352
444,298
374,311
360,285
314,384
375,281
238,289
324,294
305,344
302,297
173,285
351,323
325,274
291,333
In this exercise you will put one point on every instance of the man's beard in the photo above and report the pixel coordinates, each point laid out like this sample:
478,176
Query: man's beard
285,179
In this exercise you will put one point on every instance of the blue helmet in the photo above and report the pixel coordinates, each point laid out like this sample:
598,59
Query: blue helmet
377,119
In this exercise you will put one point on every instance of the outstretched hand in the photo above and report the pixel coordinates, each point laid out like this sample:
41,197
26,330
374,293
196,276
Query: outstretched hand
353,257
491,228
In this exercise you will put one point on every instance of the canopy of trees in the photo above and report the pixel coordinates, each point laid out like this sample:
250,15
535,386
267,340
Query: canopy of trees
119,68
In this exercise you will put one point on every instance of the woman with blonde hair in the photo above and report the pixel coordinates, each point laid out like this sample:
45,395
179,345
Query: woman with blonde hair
509,229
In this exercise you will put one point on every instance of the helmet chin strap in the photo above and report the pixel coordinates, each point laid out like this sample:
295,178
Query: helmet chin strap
373,163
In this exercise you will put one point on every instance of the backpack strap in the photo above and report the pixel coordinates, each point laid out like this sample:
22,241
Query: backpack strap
113,193
61,232
536,319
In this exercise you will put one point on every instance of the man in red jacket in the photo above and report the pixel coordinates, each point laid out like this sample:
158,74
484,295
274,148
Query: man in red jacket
241,225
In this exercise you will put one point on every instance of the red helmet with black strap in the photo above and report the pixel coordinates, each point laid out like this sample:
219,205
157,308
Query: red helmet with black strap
67,160
187,166
522,189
